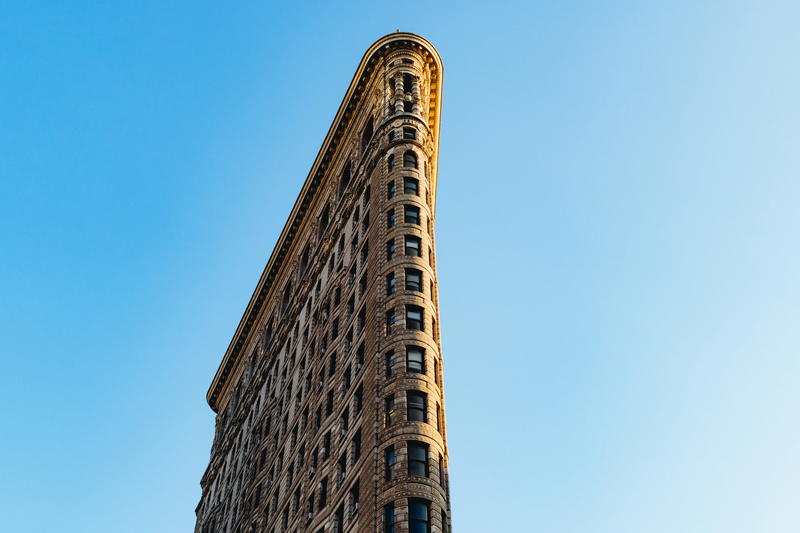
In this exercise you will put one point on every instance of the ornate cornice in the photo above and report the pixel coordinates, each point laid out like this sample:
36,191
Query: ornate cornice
353,98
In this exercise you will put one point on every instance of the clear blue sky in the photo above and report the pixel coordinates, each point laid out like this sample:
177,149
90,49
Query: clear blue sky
618,250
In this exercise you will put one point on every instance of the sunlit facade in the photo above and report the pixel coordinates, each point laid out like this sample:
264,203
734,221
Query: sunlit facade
329,399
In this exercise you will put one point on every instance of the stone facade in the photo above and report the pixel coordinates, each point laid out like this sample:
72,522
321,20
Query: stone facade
329,399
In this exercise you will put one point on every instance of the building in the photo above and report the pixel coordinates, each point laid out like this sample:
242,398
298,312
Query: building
330,411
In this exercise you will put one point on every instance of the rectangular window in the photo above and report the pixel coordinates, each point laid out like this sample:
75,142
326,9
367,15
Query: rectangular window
388,518
417,458
359,356
389,458
357,446
358,402
341,470
415,360
417,406
391,135
338,519
323,493
409,133
390,218
329,403
411,214
413,246
414,318
355,498
332,364
419,514
388,410
390,363
411,186
390,284
390,321
390,249
326,446
362,318
390,190
413,279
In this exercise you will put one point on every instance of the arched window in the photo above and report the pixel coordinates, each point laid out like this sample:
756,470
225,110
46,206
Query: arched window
390,162
410,159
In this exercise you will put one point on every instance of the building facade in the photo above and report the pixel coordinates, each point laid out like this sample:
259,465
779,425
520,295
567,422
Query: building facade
329,399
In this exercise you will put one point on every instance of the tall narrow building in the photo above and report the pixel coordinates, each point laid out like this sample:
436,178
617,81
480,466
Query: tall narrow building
329,399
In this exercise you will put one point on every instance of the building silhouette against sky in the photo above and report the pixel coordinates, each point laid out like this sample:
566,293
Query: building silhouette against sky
329,399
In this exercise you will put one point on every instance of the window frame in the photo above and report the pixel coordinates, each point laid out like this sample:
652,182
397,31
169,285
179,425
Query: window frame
415,407
410,185
412,215
413,243
415,369
415,464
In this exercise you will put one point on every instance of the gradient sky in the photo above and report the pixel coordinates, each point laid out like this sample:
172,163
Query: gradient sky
617,233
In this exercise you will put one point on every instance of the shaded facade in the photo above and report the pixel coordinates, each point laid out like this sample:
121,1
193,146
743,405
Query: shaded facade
329,399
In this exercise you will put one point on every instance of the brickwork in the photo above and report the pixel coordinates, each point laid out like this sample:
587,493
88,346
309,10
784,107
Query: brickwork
329,399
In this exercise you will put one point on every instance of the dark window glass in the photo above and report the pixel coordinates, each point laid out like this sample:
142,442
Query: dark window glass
408,81
326,446
390,190
324,218
355,498
391,135
390,249
390,362
408,107
388,518
390,284
389,461
367,195
419,516
390,320
413,280
410,159
416,402
390,218
417,458
390,162
388,410
344,180
413,246
323,493
415,360
329,403
359,399
409,133
367,134
414,318
357,446
411,186
411,214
